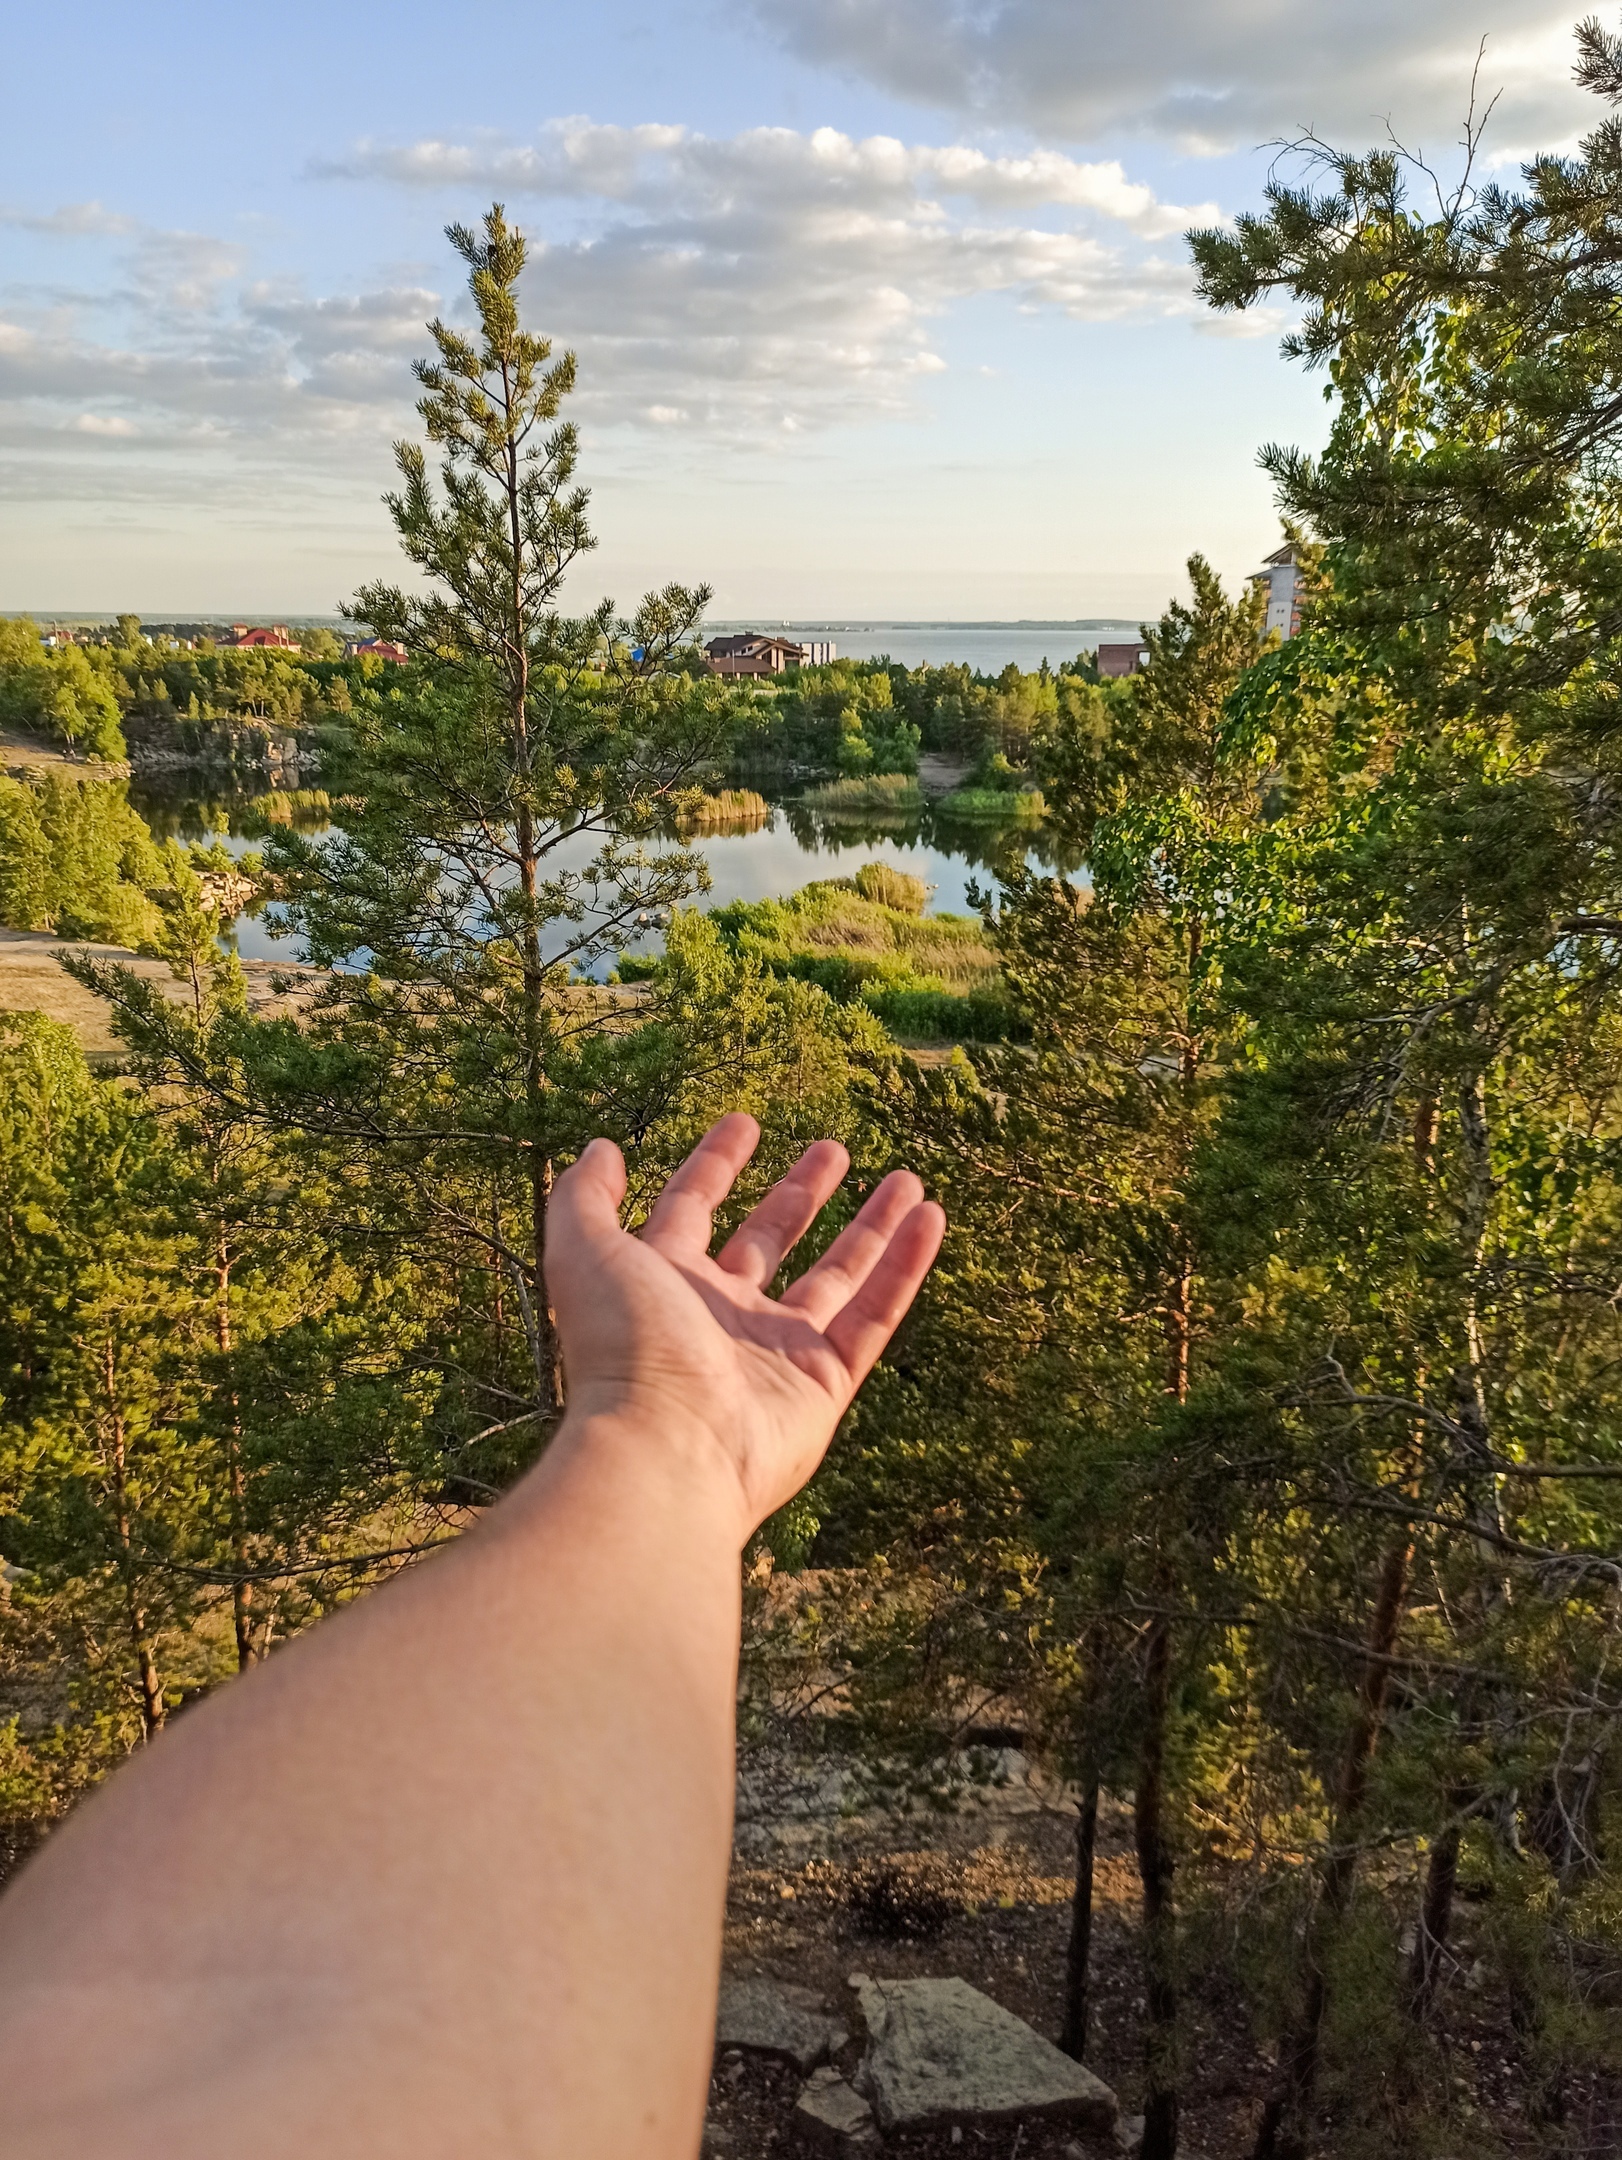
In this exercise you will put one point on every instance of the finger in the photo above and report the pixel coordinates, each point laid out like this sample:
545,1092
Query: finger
755,1249
683,1216
831,1284
860,1332
585,1202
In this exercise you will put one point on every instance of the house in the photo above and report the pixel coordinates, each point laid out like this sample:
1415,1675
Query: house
379,648
1283,582
1122,659
754,653
819,652
276,636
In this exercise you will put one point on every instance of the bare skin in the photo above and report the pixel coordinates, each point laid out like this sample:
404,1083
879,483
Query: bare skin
446,1876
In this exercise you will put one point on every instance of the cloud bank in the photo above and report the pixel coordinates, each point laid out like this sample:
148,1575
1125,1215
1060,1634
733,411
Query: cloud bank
775,279
1205,75
749,287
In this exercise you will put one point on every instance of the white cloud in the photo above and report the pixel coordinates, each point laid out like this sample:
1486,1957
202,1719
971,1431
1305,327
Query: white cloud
765,284
1206,74
777,279
648,168
72,221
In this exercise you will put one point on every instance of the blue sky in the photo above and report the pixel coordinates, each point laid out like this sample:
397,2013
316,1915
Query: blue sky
881,305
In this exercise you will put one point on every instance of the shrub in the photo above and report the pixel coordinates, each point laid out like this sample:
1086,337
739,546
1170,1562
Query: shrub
897,1903
882,883
921,1014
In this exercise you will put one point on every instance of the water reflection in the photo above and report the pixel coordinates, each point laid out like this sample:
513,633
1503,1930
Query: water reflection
760,861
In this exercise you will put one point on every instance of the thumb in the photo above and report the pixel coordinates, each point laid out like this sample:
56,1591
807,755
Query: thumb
585,1203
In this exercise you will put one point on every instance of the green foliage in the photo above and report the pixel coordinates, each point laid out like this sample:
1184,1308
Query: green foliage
1256,1442
75,858
68,696
1025,804
838,718
888,887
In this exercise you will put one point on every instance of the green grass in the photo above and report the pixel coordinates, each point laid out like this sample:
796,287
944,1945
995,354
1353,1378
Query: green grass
928,978
1023,804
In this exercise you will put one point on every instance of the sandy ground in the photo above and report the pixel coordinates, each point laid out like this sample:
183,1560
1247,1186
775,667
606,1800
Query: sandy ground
22,756
938,775
32,979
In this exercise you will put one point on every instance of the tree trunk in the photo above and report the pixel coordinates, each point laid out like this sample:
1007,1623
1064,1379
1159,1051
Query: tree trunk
534,970
146,1665
1286,2125
236,1483
1073,2037
1155,1868
1179,1325
1156,1865
1435,1921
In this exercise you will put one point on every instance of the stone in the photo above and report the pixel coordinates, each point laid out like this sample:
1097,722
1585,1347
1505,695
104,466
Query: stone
1129,2132
941,2052
763,2018
830,2117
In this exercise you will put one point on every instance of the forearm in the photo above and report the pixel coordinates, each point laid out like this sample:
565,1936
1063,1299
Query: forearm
447,1875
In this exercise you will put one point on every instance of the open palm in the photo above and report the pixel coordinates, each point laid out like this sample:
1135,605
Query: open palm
690,1344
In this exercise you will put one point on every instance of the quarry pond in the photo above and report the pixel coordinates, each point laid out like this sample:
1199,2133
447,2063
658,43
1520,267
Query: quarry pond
790,846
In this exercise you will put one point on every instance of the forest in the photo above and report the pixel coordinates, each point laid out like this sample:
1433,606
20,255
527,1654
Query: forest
1254,1454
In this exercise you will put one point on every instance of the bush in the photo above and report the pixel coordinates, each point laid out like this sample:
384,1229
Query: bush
925,1015
896,1903
892,888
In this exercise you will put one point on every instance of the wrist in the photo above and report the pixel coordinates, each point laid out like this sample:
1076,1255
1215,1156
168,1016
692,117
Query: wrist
649,1455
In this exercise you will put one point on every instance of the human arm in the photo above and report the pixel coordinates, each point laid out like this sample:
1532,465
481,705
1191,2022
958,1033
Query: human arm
446,1876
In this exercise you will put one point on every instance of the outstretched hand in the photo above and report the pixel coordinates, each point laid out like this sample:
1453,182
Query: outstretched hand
691,1346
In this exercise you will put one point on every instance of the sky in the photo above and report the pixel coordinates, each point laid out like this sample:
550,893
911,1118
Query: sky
882,307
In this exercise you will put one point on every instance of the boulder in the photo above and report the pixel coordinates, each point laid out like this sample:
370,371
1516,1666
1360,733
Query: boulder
941,2052
830,2117
765,2018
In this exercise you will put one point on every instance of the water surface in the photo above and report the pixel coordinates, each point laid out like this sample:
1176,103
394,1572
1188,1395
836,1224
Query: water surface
794,847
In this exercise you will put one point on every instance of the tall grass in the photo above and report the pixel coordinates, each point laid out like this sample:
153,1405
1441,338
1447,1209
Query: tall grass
731,807
877,791
1026,805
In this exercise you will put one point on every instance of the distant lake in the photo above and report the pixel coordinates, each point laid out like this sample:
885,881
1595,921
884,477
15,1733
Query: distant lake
988,646
793,848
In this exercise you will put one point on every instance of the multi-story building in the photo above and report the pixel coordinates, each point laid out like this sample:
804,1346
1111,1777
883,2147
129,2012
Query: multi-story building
764,653
1122,659
275,636
1283,582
